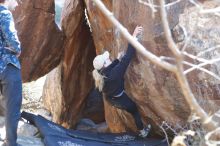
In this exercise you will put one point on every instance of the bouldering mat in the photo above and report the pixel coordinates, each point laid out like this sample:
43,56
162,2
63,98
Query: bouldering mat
54,133
45,126
103,137
55,140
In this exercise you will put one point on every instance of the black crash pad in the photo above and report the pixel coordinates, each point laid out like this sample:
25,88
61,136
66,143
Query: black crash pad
56,135
54,140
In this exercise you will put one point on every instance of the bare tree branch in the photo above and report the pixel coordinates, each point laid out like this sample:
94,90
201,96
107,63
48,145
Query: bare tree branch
195,107
210,142
170,42
206,11
178,69
213,10
202,69
190,35
158,6
193,67
208,50
140,48
151,5
165,133
202,64
196,4
195,57
217,14
199,67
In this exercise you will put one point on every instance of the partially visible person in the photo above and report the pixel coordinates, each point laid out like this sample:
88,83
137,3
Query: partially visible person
10,70
109,78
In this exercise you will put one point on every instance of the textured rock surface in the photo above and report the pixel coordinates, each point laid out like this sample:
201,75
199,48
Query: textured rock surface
204,30
155,91
27,141
76,66
26,134
41,39
77,62
52,94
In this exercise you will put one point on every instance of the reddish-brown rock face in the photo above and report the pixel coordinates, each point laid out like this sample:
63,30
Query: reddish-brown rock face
154,90
42,41
76,66
205,35
52,94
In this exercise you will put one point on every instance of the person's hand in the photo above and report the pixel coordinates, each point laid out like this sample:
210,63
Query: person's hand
120,55
137,31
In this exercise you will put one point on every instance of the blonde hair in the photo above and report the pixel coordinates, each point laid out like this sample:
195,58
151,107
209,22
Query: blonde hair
99,79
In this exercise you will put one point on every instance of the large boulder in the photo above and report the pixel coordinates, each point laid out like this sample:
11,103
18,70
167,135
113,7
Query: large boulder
155,91
41,39
52,94
73,81
76,68
204,30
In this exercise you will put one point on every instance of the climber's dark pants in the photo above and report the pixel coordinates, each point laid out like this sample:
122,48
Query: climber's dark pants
125,103
11,87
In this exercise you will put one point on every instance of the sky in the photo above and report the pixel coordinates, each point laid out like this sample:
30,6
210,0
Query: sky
59,2
58,8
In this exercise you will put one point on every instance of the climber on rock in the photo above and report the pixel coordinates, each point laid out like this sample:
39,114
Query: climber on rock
109,79
10,71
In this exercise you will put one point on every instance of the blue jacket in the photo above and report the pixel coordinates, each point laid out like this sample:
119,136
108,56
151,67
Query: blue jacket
9,44
114,73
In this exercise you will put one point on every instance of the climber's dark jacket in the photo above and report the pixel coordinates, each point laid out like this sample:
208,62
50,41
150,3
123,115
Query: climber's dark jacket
114,74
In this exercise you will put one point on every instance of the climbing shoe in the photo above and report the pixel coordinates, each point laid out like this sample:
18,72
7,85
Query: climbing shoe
144,132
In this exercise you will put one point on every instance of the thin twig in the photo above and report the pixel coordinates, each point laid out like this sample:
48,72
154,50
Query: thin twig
217,14
196,4
189,37
194,67
208,50
171,44
195,57
151,5
213,10
202,64
157,6
202,69
161,127
194,106
167,58
217,114
208,136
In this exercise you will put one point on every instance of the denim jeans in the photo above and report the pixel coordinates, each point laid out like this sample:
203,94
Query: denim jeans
11,88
